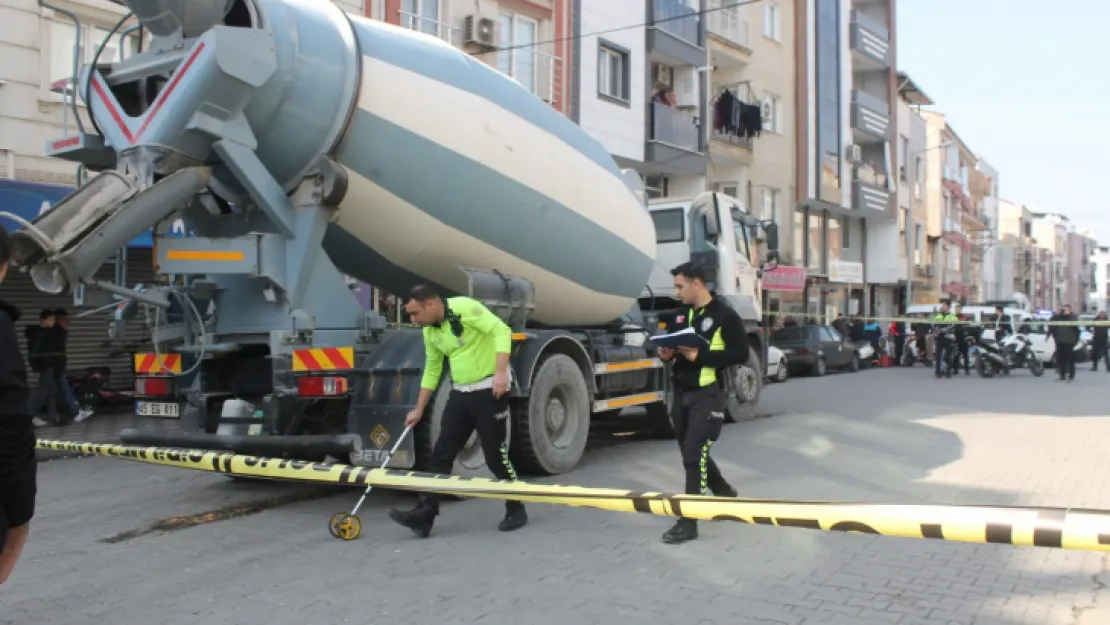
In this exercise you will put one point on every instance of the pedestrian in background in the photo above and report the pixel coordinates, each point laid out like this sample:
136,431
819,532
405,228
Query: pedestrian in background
1066,337
18,467
65,390
43,358
1100,343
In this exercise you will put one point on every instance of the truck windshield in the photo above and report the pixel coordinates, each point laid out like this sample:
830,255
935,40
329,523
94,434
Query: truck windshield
743,244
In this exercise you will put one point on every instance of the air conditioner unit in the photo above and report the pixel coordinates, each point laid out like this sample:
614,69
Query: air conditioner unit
662,75
854,153
480,31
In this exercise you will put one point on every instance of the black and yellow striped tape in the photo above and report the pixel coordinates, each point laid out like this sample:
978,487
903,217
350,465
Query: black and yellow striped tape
1062,528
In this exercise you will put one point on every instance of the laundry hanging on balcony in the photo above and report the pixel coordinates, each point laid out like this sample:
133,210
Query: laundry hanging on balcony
734,117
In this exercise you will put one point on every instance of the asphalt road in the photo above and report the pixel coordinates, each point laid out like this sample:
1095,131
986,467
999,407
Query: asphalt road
883,435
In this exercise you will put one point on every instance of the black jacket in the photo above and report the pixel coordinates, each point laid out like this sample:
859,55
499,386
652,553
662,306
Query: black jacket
17,433
1100,334
1069,334
46,348
1004,324
717,316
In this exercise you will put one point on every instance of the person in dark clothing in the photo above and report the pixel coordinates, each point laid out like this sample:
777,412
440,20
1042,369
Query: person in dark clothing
962,345
1066,337
43,356
18,467
1100,343
698,411
64,389
1003,325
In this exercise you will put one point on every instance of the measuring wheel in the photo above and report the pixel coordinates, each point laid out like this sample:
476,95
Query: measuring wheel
345,526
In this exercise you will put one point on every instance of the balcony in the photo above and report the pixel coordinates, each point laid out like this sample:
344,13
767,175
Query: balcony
729,145
430,26
870,43
536,71
870,118
954,233
677,40
674,146
870,193
726,25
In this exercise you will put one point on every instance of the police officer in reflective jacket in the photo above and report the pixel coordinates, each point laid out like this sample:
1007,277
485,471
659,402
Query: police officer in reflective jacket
699,405
477,344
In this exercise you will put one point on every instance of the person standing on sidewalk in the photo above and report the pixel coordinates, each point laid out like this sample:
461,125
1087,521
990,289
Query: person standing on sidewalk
477,345
698,411
18,466
1066,337
65,390
42,356
1100,343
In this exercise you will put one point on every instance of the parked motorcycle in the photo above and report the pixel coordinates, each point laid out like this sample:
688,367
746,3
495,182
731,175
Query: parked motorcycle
1017,349
988,357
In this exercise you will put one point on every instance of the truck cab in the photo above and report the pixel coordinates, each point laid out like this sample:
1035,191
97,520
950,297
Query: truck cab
716,231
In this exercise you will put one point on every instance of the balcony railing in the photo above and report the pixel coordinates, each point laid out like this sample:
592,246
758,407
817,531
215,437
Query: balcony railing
743,93
871,38
870,114
538,72
429,26
674,127
681,20
727,24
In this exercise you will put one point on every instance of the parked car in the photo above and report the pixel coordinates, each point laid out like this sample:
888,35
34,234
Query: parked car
1045,347
816,348
777,370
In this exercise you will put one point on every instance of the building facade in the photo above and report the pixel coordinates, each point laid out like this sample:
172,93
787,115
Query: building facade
985,193
751,110
1050,230
912,211
1078,270
845,191
1098,297
1017,249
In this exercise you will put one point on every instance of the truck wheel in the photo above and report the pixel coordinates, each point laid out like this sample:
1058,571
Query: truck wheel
552,424
470,462
659,418
744,390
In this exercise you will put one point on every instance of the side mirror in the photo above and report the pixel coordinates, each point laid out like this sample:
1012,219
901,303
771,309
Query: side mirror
772,230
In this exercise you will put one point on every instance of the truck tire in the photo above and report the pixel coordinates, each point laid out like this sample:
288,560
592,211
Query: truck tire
553,422
744,390
470,462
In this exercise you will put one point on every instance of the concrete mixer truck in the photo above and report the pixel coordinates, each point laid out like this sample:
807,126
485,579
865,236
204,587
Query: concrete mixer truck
300,144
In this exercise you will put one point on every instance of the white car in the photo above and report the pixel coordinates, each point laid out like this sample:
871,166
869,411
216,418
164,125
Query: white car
776,364
1045,348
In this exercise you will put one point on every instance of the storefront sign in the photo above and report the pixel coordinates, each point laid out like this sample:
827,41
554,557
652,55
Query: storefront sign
790,279
844,271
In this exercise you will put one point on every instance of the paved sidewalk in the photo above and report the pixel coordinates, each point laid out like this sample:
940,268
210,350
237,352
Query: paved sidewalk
102,427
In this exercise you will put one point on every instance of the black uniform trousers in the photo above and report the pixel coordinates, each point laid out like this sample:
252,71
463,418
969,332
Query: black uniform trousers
965,356
1065,360
698,416
464,413
1100,351
942,354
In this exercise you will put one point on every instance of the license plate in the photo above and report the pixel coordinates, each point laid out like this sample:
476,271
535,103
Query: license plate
156,409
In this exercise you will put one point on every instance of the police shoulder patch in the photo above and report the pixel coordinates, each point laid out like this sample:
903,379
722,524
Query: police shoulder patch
680,319
706,324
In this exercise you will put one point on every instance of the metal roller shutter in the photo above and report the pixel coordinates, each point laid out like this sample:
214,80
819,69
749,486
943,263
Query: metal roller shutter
88,336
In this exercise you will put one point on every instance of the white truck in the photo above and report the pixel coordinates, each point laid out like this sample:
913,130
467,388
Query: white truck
299,144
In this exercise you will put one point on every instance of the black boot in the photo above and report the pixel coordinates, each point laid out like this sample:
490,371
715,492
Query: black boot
419,519
515,517
684,530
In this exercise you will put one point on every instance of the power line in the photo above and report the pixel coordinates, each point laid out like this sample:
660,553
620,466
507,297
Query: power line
623,28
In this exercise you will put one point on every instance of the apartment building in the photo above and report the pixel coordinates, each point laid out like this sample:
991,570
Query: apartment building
1017,254
953,218
524,39
751,108
915,275
1051,233
985,195
1078,271
844,216
39,48
1098,297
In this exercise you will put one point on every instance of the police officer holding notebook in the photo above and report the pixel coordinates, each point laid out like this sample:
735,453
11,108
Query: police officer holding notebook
699,406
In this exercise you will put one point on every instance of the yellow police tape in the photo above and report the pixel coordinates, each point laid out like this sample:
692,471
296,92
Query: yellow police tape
1062,528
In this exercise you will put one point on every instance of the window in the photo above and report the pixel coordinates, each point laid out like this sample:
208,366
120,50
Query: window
669,226
845,233
903,153
657,186
799,238
771,204
517,57
613,72
742,244
816,253
834,238
771,21
728,189
831,334
918,177
421,15
62,35
787,334
772,113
